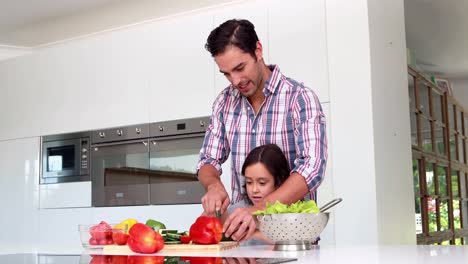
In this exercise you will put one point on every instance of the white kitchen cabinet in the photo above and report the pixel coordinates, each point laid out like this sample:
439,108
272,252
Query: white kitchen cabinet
65,195
95,82
325,192
20,112
297,38
181,77
19,180
254,11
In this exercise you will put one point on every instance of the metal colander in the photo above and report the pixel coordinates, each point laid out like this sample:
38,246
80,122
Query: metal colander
295,228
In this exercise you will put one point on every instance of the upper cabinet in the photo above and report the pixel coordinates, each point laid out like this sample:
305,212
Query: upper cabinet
298,42
94,82
20,111
180,70
153,71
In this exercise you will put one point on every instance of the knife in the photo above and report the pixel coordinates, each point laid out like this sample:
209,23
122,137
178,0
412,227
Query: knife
218,215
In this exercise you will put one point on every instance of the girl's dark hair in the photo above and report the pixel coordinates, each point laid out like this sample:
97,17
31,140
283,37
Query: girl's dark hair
271,156
237,32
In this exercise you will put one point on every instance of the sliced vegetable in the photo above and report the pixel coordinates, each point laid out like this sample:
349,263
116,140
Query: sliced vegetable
185,239
206,230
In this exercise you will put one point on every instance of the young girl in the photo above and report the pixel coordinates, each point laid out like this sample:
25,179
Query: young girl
265,169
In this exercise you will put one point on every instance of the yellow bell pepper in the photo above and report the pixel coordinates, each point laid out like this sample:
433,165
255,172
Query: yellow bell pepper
122,227
129,222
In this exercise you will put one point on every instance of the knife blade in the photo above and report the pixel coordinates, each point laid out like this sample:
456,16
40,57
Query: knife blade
218,214
224,238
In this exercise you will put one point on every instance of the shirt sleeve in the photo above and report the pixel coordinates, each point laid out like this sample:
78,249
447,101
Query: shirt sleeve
310,139
215,149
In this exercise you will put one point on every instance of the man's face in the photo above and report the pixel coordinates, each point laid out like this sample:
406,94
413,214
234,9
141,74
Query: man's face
242,69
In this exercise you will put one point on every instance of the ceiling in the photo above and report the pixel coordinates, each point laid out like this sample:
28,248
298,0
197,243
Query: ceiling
436,30
33,23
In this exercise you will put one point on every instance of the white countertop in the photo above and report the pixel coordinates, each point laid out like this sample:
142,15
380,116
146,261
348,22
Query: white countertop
321,254
347,254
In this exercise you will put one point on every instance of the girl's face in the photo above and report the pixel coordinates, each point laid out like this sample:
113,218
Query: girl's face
258,182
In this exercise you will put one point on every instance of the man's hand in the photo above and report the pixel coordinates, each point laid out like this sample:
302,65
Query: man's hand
240,225
215,199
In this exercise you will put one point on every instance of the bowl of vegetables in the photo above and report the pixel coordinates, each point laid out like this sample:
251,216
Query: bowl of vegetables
99,235
295,226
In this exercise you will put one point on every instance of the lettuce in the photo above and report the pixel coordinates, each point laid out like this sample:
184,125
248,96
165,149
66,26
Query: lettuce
297,207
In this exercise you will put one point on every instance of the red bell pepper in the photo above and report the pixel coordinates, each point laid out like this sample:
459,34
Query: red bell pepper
185,239
206,230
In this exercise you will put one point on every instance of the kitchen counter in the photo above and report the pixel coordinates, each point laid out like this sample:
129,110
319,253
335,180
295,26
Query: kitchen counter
319,254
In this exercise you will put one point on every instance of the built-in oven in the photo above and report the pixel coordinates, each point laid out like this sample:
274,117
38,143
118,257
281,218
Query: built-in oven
65,158
120,166
147,164
174,152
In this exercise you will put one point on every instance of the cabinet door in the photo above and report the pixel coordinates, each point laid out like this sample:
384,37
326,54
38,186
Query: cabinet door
181,70
19,170
298,42
20,113
95,82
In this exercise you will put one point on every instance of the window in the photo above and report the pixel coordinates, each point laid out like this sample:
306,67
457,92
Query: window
440,169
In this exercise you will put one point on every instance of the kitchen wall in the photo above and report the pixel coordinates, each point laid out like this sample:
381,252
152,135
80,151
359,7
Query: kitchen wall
159,70
370,134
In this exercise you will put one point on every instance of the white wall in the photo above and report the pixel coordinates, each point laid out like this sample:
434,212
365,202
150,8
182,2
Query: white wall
118,78
369,122
390,108
460,91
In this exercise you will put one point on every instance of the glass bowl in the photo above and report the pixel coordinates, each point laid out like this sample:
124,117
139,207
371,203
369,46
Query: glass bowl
92,237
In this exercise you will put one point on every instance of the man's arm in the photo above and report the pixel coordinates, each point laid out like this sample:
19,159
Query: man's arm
311,144
216,197
240,225
214,152
291,191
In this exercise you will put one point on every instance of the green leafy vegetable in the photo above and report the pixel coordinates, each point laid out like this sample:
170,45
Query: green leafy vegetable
297,207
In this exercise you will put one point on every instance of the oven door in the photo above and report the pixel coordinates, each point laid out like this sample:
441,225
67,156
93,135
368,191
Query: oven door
120,173
61,158
173,163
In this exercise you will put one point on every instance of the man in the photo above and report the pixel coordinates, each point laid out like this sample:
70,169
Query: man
261,106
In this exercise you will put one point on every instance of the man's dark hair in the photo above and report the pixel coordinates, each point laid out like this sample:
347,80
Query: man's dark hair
237,32
271,156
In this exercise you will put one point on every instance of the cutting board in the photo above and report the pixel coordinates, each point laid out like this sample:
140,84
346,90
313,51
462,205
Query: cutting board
125,250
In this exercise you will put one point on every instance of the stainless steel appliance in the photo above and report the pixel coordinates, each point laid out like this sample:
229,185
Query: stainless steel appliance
65,158
174,152
147,164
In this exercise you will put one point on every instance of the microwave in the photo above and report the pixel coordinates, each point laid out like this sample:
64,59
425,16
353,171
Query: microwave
65,158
